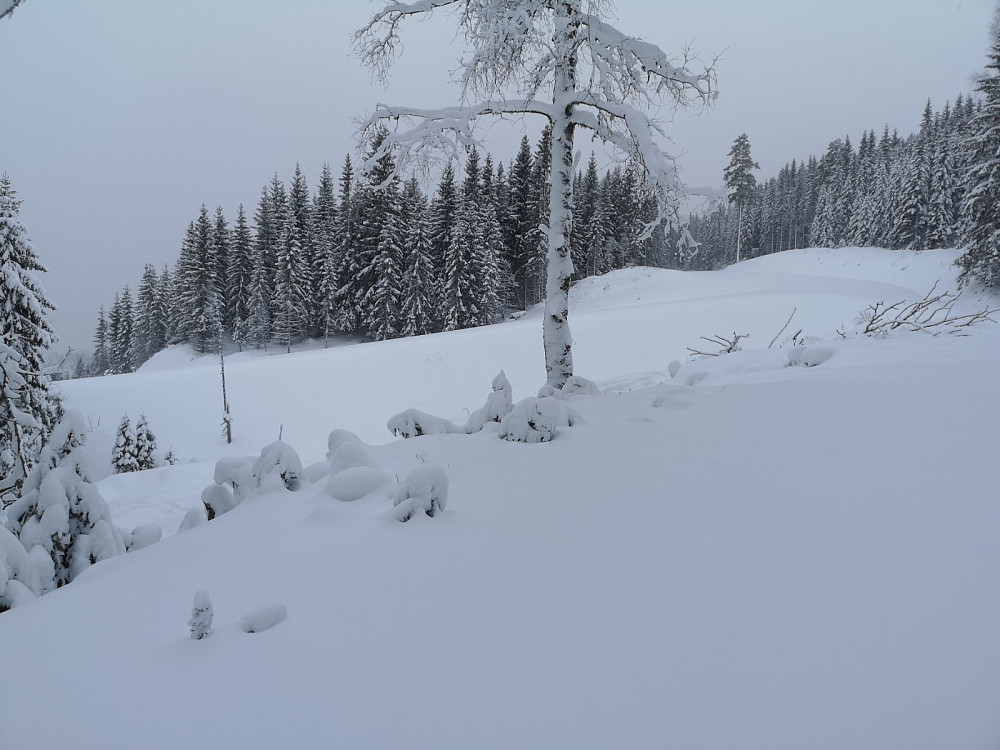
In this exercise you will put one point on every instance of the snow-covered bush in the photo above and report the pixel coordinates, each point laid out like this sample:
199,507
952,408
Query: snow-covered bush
19,578
424,489
201,616
414,423
124,455
278,462
263,618
143,536
194,517
536,420
217,499
237,472
574,386
60,514
498,405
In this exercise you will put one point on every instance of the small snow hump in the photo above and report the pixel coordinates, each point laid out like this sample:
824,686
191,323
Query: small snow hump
263,618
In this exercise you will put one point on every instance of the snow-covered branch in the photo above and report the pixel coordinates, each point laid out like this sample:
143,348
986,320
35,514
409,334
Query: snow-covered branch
376,43
421,138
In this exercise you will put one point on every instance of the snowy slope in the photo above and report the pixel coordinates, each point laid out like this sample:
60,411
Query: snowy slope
746,555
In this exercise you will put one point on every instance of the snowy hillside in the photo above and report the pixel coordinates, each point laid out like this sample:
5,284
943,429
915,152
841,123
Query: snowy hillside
776,548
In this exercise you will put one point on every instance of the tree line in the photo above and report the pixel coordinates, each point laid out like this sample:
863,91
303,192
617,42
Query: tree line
380,261
891,191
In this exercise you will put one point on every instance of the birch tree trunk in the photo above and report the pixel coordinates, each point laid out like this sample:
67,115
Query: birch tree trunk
558,341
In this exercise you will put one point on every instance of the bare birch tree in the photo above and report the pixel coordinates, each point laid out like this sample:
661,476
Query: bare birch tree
559,59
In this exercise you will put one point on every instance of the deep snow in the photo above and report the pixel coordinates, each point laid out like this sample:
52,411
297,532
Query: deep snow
749,554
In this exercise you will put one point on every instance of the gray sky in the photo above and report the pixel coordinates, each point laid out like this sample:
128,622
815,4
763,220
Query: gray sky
119,118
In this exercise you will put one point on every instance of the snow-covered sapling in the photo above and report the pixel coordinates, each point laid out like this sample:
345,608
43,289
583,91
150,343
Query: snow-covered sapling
145,445
124,455
201,616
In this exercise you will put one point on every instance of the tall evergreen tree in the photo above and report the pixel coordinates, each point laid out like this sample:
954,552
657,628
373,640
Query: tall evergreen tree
980,227
740,182
25,330
240,271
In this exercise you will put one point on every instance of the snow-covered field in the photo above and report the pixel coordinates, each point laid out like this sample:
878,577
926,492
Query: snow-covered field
748,554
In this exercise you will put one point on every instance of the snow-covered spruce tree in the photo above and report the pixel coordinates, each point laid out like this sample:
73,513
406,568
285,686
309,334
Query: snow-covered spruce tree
25,329
145,445
980,221
324,260
567,64
60,516
240,274
290,302
740,182
124,456
102,353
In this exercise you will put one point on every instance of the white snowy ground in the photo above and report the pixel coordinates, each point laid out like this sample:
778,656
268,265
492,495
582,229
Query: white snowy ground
747,555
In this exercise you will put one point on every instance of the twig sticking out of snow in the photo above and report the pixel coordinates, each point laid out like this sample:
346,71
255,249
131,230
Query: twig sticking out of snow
728,346
783,328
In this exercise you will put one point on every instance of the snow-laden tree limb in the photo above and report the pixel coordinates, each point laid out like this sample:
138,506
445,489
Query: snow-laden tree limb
7,7
558,59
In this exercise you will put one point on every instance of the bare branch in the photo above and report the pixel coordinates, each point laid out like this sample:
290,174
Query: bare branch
727,346
376,43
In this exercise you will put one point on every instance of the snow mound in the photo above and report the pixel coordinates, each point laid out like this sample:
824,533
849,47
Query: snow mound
264,618
355,483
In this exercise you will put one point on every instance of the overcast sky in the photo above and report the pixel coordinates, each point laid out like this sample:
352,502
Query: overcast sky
119,118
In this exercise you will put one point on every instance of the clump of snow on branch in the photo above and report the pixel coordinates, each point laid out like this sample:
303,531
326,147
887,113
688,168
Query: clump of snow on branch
424,489
355,483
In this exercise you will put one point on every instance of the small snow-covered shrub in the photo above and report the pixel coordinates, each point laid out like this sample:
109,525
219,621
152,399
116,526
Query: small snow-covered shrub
412,423
574,386
424,489
19,578
143,536
278,462
217,499
497,406
237,472
536,420
264,618
354,483
194,517
201,616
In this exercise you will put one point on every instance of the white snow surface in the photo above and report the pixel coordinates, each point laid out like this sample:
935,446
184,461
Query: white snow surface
747,555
